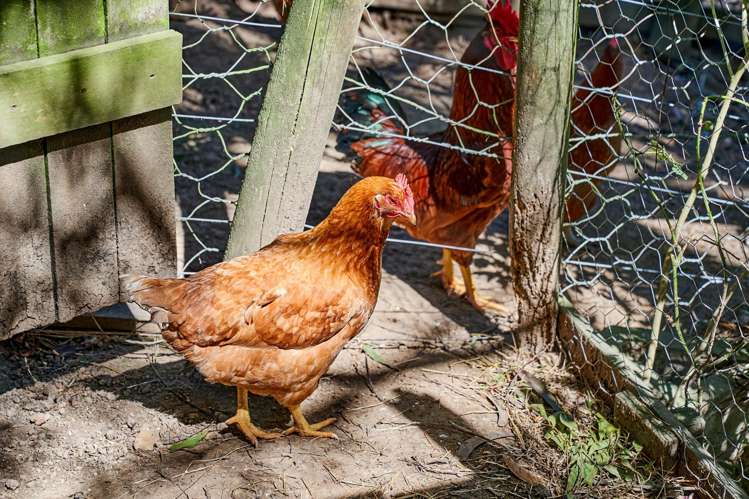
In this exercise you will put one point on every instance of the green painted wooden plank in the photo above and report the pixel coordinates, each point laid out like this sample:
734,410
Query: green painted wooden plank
17,31
84,87
294,121
128,18
64,25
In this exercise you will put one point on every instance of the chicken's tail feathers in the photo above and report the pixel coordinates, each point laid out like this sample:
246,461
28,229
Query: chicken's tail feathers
149,292
368,111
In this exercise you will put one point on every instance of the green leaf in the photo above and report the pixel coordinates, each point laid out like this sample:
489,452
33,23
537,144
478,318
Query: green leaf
189,442
372,353
605,427
568,422
613,471
589,473
572,478
540,409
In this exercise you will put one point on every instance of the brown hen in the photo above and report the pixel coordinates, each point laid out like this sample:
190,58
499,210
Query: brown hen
272,322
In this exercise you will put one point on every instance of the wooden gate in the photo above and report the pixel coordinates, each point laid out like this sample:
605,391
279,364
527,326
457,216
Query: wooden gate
85,153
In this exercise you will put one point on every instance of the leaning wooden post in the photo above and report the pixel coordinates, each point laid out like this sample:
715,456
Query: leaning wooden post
294,121
544,84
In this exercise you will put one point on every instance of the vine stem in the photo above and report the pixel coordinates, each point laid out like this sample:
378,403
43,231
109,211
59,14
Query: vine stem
673,261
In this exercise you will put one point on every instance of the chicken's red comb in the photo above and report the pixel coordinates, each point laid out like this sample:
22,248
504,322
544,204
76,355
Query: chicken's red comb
502,13
408,198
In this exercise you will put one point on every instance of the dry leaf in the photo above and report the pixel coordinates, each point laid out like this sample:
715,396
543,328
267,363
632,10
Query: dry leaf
519,470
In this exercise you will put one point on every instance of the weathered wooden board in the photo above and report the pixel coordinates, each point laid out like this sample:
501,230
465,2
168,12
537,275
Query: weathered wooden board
17,31
144,190
129,18
609,371
83,220
69,25
79,169
80,88
142,153
27,293
294,121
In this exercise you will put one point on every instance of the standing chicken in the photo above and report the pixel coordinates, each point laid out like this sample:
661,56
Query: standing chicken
272,322
457,194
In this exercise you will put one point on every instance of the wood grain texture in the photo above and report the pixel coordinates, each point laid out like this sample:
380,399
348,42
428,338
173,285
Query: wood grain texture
80,88
545,69
79,169
294,121
129,18
27,296
17,31
609,371
68,25
27,293
142,153
144,191
83,220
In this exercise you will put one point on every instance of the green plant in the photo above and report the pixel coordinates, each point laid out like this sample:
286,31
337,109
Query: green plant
592,450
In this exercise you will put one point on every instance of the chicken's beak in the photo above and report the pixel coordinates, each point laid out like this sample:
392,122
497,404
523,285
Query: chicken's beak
411,217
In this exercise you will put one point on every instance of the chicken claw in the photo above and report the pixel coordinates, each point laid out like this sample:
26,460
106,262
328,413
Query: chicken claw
242,419
304,429
479,303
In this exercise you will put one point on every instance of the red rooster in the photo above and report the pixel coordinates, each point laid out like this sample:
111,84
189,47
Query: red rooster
272,322
593,114
457,194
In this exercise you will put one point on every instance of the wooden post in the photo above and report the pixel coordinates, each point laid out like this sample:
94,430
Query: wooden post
294,122
544,86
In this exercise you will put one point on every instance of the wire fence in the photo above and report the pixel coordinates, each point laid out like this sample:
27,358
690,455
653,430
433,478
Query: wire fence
657,198
658,257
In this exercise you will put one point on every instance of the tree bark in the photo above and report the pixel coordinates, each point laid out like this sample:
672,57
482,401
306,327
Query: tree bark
544,86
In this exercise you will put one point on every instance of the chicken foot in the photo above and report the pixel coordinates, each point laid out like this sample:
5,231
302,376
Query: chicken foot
469,289
242,419
446,273
479,303
304,429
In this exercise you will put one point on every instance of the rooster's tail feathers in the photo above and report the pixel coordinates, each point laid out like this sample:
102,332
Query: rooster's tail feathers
368,112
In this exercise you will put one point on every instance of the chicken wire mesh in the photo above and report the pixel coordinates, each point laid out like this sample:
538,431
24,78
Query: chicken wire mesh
670,296
658,261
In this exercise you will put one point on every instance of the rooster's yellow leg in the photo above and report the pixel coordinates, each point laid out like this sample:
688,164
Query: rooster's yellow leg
479,303
448,277
304,429
242,419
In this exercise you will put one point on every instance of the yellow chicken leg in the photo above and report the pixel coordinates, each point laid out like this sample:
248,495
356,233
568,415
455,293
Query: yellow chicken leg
304,429
479,303
242,419
451,286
